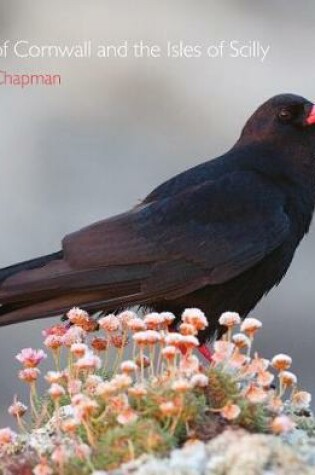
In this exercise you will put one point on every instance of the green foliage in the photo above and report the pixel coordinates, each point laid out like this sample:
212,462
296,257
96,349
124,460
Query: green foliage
222,388
123,444
253,417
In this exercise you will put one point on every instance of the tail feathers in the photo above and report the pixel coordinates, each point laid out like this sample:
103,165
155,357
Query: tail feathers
7,272
90,301
11,271
48,286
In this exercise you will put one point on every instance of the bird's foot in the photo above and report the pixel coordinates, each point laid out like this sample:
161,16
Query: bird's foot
205,352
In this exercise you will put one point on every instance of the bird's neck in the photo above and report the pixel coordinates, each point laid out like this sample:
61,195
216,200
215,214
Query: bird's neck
277,162
295,178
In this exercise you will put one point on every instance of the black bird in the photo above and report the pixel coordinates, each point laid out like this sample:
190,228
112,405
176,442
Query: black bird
218,236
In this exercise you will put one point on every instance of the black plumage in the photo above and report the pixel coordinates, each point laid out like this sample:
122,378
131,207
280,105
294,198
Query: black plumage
218,236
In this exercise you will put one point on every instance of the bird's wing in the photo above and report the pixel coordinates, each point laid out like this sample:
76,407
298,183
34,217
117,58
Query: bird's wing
221,229
165,249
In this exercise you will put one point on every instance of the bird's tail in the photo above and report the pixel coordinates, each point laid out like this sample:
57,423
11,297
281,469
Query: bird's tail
11,271
49,286
31,264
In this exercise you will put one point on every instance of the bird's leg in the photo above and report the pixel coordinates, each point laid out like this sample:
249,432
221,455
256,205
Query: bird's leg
205,352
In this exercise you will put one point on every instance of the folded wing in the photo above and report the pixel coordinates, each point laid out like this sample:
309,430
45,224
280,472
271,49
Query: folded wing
207,234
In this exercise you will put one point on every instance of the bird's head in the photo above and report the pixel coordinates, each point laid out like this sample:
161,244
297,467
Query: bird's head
282,116
285,124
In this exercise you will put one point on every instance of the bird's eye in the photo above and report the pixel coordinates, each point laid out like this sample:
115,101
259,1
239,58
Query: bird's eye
285,115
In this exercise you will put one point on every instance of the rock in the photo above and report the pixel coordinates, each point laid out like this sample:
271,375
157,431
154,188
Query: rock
234,452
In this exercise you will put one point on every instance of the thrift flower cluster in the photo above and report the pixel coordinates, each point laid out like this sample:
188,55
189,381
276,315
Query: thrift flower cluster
124,385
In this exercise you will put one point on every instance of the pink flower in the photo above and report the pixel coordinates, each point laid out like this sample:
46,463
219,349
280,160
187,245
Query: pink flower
59,455
237,359
187,329
282,424
78,317
74,335
17,409
7,436
168,318
241,341
119,341
127,416
56,391
281,362
168,408
109,323
174,339
138,391
58,330
257,364
53,342
88,362
106,389
199,380
99,344
301,399
29,375
230,319
189,341
169,352
189,364
275,404
55,377
287,378
230,411
70,425
126,317
128,366
153,321
136,325
181,385
148,337
78,349
264,378
255,394
83,406
250,326
121,381
30,358
195,317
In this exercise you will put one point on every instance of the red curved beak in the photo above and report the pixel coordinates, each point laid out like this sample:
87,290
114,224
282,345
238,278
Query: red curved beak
310,119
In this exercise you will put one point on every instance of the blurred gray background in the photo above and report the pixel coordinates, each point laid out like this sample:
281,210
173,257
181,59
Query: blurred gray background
116,128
